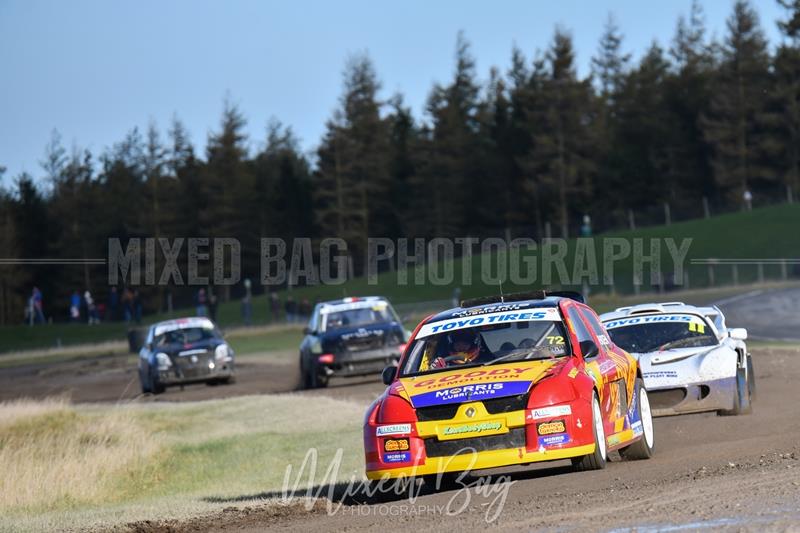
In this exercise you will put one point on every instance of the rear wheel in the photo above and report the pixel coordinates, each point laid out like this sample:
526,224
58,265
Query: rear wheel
597,459
642,448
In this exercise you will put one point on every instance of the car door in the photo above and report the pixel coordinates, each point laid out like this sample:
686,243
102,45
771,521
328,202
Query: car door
618,372
597,367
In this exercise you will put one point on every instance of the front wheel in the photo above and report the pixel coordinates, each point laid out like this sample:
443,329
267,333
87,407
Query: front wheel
597,459
145,383
642,448
751,379
741,397
156,387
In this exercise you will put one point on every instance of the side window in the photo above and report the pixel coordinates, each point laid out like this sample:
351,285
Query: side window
597,329
577,324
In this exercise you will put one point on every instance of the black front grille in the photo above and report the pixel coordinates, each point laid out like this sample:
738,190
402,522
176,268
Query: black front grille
373,342
493,407
515,438
666,398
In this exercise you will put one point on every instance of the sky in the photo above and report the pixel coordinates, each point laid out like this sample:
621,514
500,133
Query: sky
94,69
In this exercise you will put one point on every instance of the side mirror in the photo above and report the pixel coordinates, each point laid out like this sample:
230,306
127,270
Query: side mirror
388,374
589,349
738,334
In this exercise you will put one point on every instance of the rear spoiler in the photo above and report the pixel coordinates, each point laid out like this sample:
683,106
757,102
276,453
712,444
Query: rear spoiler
520,296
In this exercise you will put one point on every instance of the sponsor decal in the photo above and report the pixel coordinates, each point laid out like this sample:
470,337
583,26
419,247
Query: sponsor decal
573,373
492,309
479,391
604,340
395,445
362,333
548,314
554,440
650,319
637,428
548,428
661,374
394,429
476,375
613,440
183,323
402,457
473,428
550,412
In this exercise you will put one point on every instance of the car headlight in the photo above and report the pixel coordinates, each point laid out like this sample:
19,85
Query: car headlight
163,361
223,353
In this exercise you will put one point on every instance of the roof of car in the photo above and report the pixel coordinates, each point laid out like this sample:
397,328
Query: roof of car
660,308
490,305
182,323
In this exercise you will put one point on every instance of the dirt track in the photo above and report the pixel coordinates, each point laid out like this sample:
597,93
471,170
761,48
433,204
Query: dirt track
709,472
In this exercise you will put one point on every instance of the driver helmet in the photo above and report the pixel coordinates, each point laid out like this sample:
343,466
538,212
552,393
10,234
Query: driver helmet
465,342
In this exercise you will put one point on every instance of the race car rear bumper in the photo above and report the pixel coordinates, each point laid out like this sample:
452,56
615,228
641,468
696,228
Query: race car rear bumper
692,398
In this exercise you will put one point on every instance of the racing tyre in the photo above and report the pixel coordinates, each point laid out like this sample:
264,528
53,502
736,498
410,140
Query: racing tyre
751,379
642,448
155,386
145,385
312,379
597,459
741,398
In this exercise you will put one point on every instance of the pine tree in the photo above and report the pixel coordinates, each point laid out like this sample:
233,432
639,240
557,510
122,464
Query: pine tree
352,181
687,93
787,96
737,123
562,143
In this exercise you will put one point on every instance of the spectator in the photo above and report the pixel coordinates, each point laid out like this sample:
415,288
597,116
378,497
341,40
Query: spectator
200,302
37,302
212,305
291,309
137,306
247,304
127,304
75,306
274,305
113,304
91,309
305,308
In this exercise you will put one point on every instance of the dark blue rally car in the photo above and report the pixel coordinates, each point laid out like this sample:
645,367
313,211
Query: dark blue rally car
350,337
182,351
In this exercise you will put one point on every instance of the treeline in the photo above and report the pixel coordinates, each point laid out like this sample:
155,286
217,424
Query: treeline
532,147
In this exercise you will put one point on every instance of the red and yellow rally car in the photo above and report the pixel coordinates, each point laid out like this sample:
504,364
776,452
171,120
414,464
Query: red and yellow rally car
503,381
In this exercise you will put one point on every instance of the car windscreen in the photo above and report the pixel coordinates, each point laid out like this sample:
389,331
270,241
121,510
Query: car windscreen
358,317
660,332
487,340
184,336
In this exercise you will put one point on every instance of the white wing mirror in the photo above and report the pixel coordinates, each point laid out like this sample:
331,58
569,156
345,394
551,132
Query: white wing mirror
739,334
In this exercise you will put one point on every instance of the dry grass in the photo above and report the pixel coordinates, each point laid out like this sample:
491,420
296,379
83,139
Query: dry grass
93,466
53,455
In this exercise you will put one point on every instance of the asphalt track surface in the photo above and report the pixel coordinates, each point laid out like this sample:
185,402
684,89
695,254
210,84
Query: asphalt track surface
709,473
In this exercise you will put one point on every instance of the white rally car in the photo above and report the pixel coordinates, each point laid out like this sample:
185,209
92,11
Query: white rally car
690,360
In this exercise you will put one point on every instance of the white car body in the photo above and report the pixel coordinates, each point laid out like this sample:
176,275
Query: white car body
686,380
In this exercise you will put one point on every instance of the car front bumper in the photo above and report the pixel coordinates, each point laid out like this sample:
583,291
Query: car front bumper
692,398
